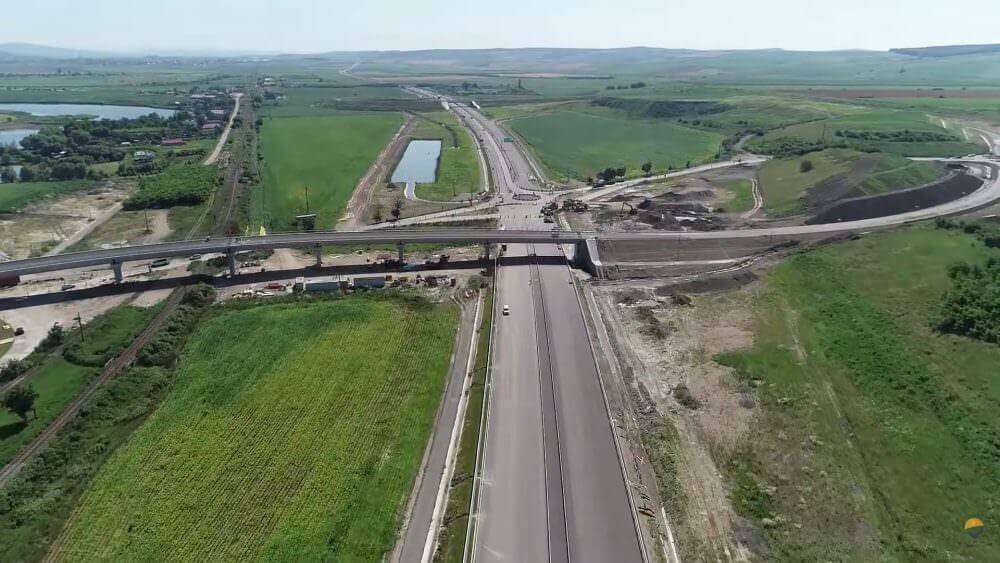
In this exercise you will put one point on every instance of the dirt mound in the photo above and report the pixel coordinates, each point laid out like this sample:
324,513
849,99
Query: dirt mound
708,285
672,195
893,203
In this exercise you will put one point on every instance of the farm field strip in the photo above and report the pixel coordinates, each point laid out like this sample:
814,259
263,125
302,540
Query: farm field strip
326,153
577,144
259,453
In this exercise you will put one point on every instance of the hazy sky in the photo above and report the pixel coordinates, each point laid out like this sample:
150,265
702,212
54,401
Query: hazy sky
316,25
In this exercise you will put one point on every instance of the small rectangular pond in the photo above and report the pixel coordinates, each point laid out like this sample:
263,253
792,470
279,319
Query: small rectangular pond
419,163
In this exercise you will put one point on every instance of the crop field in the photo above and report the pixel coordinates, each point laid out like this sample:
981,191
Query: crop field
17,196
327,153
877,435
835,174
293,432
577,144
771,112
322,100
180,184
458,171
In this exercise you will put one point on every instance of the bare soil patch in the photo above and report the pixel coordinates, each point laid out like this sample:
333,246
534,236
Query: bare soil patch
44,225
696,202
675,379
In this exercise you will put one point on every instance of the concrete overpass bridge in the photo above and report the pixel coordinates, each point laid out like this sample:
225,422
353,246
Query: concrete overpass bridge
11,271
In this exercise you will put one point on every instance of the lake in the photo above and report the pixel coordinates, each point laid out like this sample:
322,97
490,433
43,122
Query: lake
17,170
12,137
419,163
98,110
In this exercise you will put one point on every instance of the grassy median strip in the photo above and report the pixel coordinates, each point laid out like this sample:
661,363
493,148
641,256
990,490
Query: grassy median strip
451,541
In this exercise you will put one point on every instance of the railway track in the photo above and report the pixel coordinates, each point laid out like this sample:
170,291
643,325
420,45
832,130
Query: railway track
116,366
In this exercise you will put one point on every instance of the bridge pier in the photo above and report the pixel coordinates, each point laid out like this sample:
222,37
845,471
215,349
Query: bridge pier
231,255
116,265
587,258
400,247
319,255
487,249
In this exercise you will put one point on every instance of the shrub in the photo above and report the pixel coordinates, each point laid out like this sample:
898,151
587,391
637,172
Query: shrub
805,166
12,369
972,306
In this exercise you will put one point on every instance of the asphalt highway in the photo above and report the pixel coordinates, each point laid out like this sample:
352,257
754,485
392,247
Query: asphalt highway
552,488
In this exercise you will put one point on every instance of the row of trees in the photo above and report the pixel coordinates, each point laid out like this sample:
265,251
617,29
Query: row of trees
70,169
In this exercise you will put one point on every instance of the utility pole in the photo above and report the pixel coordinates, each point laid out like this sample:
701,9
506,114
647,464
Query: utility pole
145,213
307,199
79,322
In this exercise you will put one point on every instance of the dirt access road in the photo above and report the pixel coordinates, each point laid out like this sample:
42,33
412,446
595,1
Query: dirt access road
225,132
361,199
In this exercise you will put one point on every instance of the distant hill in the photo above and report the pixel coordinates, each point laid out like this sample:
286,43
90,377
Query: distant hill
30,50
749,67
948,50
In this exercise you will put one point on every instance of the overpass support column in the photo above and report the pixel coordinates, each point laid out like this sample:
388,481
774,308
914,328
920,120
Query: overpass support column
319,255
400,247
586,257
119,274
231,255
487,249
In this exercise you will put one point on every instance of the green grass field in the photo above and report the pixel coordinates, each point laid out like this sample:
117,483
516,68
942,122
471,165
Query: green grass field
742,200
59,377
786,188
56,382
880,120
17,196
877,436
327,153
322,100
293,432
578,144
458,168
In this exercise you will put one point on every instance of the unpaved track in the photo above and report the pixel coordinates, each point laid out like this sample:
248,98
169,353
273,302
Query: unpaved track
79,235
225,132
115,367
361,199
758,201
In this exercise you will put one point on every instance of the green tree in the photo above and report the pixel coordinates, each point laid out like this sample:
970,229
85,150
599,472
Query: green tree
397,208
7,176
647,167
27,174
55,337
20,400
